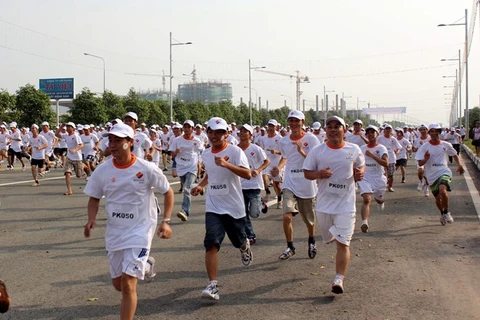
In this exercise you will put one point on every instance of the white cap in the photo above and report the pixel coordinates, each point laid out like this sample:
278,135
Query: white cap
3,126
131,114
143,124
372,127
452,129
386,126
296,114
336,118
33,125
246,127
13,124
262,129
434,126
422,126
217,123
120,130
71,124
79,127
177,126
398,129
273,122
198,125
233,124
45,123
108,124
189,122
316,125
358,121
85,127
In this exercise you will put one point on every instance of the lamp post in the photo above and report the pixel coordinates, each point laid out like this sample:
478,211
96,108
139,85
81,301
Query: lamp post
325,104
171,74
103,60
291,100
250,68
466,65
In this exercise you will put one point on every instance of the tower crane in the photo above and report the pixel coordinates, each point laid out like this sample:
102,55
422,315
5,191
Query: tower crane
299,79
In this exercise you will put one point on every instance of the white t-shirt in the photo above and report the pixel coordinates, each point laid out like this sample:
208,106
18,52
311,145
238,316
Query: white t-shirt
256,157
356,138
15,144
403,151
129,201
418,142
61,141
372,168
89,142
50,136
294,179
336,195
187,158
271,143
437,165
165,137
224,190
391,144
141,142
156,157
232,140
4,140
453,138
73,141
38,142
202,137
320,136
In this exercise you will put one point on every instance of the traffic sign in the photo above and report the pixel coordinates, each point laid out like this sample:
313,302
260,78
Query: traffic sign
59,88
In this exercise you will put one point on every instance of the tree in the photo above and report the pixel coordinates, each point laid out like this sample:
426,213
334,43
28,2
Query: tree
113,105
132,102
33,106
7,106
88,108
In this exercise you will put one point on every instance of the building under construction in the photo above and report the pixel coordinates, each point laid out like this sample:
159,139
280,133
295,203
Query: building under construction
205,91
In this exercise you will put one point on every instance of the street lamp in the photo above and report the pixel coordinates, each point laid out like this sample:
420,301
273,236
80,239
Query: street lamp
466,65
250,68
250,100
291,100
171,74
103,60
325,104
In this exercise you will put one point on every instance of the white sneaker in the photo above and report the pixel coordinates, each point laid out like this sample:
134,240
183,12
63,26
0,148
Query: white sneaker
337,286
150,274
420,186
381,206
182,215
211,292
246,255
364,227
448,217
426,191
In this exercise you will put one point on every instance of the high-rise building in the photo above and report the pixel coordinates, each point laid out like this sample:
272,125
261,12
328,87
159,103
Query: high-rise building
205,91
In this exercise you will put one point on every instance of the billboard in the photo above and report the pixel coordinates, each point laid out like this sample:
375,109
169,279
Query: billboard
56,89
385,110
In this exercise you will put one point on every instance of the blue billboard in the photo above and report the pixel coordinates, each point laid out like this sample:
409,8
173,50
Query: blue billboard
56,89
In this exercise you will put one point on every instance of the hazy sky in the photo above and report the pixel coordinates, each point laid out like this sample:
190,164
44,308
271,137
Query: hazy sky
380,51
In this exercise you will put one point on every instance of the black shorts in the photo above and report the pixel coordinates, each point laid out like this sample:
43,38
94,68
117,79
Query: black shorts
166,152
476,143
12,153
401,162
90,158
60,151
216,225
37,162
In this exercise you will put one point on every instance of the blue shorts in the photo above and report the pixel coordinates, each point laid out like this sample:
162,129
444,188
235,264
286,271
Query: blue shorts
216,225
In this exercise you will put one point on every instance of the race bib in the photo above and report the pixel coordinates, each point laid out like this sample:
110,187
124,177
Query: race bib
218,189
297,173
183,159
339,187
124,215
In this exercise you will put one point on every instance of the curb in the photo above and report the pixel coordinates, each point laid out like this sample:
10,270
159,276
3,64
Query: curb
468,179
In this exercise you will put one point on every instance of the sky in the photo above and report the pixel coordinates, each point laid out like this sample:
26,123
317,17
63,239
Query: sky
382,52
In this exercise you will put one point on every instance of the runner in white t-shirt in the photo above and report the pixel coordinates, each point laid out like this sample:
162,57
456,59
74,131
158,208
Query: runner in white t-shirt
225,165
38,144
318,131
434,156
165,136
422,139
74,155
15,149
402,157
52,141
374,181
4,143
127,184
142,145
357,135
157,145
90,147
455,139
393,147
298,192
336,165
252,188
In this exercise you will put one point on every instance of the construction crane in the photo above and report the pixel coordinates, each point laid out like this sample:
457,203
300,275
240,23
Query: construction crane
163,76
299,79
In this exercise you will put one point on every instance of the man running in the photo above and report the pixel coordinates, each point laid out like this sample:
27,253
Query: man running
74,156
422,139
38,144
393,147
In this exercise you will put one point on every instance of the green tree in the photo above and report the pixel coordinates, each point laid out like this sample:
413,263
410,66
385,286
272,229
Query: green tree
33,106
113,104
133,102
180,111
7,106
157,114
88,108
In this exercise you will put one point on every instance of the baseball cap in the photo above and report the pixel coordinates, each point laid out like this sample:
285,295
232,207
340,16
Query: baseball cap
132,115
3,126
452,129
386,125
13,124
372,127
198,125
233,124
143,124
85,127
217,123
316,125
189,122
71,124
120,130
177,126
434,126
108,124
246,127
33,125
422,126
296,114
272,122
45,123
79,127
336,118
358,121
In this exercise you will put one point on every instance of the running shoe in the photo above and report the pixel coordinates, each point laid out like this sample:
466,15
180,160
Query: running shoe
211,292
381,206
364,227
403,179
289,252
252,240
279,204
182,215
426,191
41,174
151,274
448,217
420,186
246,254
264,207
312,250
23,168
390,189
165,169
337,286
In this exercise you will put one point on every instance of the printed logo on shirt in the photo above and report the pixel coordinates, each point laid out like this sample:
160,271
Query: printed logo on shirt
113,179
349,157
252,153
139,175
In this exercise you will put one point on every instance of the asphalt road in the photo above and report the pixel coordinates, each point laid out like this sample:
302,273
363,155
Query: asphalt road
407,267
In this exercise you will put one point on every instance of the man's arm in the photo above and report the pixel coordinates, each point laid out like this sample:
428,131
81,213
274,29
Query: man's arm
93,206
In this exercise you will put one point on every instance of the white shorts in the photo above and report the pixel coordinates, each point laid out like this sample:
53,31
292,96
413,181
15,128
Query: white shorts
376,186
129,261
268,172
339,226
